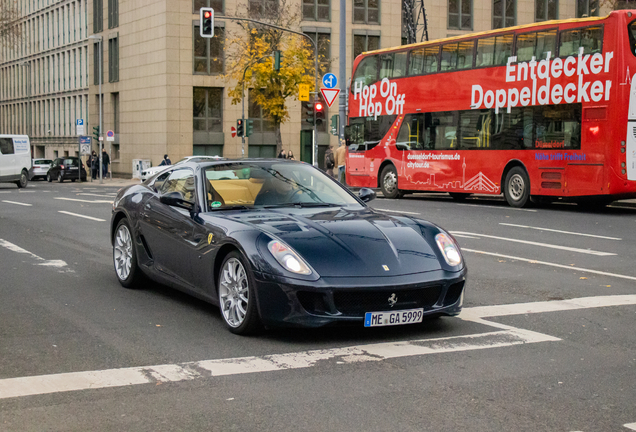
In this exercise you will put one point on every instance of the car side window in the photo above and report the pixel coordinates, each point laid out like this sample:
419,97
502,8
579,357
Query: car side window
6,146
182,181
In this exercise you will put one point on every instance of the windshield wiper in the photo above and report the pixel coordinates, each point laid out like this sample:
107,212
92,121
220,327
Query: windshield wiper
231,207
303,204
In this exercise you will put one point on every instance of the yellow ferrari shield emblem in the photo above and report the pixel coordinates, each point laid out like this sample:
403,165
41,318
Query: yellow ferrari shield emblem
210,237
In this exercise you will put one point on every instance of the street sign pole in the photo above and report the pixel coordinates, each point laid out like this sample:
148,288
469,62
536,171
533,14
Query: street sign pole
79,156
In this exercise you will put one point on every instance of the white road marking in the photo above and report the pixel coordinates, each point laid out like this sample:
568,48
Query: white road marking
622,207
85,201
631,426
546,245
109,195
497,207
532,261
15,248
18,203
6,192
465,236
548,306
43,384
396,211
82,216
559,231
23,191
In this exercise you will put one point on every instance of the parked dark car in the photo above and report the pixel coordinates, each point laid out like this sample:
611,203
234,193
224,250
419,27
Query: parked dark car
66,168
279,243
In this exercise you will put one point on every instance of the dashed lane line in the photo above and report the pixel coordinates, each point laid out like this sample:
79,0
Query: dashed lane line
533,261
39,260
85,201
546,245
560,231
631,426
498,207
18,203
82,216
396,211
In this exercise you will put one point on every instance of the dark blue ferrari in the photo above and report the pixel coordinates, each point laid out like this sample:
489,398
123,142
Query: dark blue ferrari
276,242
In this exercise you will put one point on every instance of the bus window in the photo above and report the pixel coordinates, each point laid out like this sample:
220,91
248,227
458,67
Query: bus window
424,60
367,72
472,133
536,44
449,57
364,133
443,130
591,39
631,30
465,51
503,49
557,126
485,52
393,65
412,132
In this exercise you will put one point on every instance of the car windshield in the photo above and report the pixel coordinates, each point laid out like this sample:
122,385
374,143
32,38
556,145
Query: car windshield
271,184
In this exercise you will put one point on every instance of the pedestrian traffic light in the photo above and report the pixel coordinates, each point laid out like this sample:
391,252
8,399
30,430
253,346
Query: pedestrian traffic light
335,124
278,57
206,22
239,127
309,112
249,126
320,113
96,133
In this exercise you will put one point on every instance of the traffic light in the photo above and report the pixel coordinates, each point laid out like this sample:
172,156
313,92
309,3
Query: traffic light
96,133
239,127
278,57
335,124
206,22
249,126
320,112
310,112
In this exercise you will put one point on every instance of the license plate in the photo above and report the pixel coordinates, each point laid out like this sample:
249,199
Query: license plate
73,168
390,318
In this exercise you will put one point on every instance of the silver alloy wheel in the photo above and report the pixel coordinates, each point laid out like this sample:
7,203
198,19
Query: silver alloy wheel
23,179
516,187
234,292
390,182
122,252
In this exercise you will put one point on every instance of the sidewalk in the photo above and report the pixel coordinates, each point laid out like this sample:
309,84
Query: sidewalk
114,182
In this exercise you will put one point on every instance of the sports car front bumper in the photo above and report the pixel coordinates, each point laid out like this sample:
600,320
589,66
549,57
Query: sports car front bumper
290,302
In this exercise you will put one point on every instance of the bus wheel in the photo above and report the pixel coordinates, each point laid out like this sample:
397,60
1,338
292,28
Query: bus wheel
389,183
517,187
459,196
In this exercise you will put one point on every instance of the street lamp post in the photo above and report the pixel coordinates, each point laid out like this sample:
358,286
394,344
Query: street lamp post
100,39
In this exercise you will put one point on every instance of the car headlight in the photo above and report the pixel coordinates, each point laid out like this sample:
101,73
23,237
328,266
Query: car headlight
449,249
288,258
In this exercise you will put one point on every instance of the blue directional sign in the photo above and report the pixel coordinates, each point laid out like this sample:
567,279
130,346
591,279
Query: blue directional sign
329,80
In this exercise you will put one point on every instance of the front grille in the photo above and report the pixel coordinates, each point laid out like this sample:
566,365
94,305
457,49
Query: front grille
356,303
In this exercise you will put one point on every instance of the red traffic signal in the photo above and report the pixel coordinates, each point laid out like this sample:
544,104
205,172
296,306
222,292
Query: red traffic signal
319,106
206,22
207,14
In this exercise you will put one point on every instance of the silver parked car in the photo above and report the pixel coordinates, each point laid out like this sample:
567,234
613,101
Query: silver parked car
149,172
39,168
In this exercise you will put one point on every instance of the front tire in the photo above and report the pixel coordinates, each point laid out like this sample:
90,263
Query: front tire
517,187
236,295
389,183
24,180
125,256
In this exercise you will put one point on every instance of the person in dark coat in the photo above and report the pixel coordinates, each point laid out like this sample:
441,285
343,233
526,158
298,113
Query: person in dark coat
94,164
105,163
166,161
282,154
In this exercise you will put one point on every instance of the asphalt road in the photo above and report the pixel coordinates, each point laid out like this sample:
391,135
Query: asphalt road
545,342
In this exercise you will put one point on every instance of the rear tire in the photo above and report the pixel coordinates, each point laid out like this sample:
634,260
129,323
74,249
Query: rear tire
389,183
48,178
60,179
24,180
237,297
517,187
125,256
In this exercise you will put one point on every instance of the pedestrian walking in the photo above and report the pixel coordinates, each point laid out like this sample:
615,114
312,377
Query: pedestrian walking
329,161
94,165
105,163
290,155
166,161
340,162
282,154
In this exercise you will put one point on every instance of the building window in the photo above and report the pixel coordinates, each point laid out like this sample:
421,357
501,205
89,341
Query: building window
263,8
586,8
114,100
546,10
208,52
460,14
96,63
366,11
217,5
363,43
264,144
504,13
208,109
316,10
113,60
98,16
113,13
324,50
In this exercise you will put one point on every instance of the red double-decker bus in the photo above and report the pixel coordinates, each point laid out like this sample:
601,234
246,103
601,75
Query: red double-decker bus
537,111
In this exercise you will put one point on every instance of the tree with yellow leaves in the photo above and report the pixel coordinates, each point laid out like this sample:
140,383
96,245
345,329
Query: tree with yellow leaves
252,51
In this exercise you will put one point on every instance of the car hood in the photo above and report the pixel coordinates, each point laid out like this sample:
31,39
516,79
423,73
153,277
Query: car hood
344,242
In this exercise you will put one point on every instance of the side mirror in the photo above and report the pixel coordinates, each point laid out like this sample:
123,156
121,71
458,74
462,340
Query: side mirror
175,199
366,194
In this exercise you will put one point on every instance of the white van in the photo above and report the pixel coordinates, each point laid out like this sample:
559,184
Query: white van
15,159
